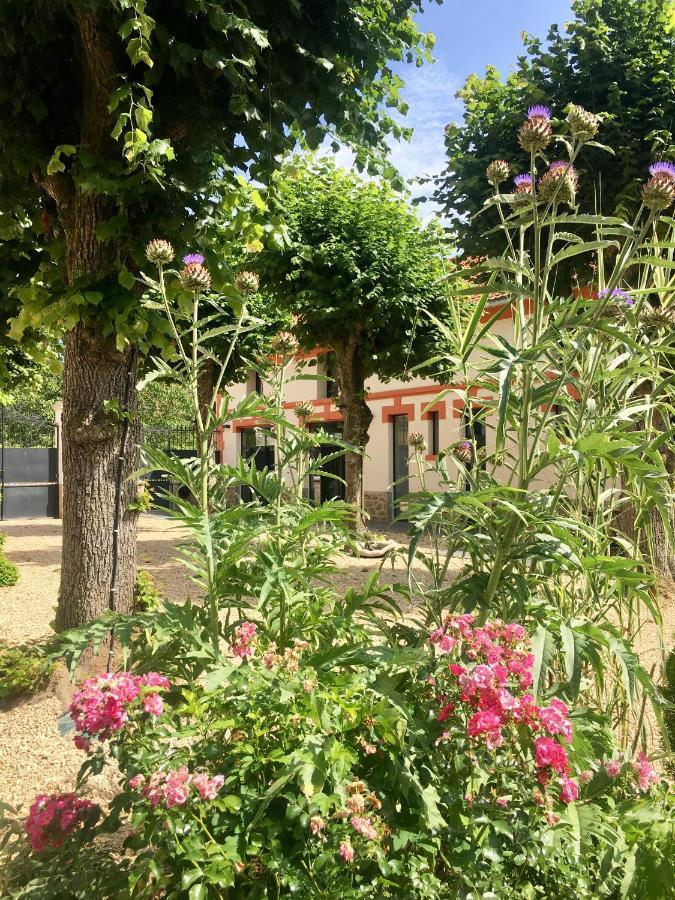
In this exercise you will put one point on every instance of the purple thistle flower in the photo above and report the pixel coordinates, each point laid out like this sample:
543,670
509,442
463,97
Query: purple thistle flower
523,180
193,259
663,168
558,164
617,294
538,111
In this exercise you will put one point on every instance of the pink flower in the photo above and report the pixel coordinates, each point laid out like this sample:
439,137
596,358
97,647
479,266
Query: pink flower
548,752
245,638
175,793
457,669
494,739
552,818
53,817
485,720
152,704
445,711
316,825
364,827
613,768
554,719
645,772
137,781
154,679
586,776
346,851
502,801
569,790
101,707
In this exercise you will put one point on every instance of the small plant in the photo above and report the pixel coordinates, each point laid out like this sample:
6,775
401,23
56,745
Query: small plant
143,499
9,574
146,595
22,670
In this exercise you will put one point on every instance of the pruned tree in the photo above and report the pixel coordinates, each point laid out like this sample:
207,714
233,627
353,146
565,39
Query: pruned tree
363,276
124,120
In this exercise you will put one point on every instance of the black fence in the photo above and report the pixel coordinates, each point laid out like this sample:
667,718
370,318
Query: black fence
29,463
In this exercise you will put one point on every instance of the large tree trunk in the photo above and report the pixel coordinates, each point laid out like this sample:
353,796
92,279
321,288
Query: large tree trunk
94,370
356,415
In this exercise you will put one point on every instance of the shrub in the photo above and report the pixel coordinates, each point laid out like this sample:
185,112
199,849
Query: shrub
669,694
9,573
146,595
22,670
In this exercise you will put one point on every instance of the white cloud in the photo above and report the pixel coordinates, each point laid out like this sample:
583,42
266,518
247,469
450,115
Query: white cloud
430,94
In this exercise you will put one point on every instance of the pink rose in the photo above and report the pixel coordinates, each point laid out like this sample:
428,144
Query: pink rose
346,851
613,768
569,790
153,704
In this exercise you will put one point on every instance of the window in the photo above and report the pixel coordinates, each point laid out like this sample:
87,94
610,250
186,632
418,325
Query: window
475,431
328,388
434,433
254,383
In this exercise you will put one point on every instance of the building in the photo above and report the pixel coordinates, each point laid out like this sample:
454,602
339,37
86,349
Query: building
444,414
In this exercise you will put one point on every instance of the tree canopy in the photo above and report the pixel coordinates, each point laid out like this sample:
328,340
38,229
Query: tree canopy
615,57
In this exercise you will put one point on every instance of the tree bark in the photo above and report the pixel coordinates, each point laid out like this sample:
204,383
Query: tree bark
357,416
94,370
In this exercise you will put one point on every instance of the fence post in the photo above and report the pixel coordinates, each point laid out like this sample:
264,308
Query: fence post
58,413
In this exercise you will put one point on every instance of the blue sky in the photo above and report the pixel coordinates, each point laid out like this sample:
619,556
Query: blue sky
470,34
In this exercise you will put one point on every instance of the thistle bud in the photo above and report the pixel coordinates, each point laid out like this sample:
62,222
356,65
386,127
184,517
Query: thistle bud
497,172
247,282
583,124
159,252
416,441
658,316
559,182
304,409
194,277
464,453
659,192
285,344
536,133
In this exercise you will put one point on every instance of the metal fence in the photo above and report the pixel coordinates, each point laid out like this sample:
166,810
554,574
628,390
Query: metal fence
29,465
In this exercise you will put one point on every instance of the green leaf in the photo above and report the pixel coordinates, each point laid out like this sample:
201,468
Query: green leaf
543,649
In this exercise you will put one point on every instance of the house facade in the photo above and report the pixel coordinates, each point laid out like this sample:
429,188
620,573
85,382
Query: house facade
444,414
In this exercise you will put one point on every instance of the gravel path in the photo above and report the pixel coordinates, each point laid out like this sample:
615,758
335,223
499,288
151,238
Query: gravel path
34,758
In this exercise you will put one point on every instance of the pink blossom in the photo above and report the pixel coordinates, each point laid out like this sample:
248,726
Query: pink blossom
554,719
502,801
445,711
646,773
457,669
569,790
346,851
245,638
485,720
152,704
586,776
175,793
154,679
53,817
494,739
364,827
136,781
316,825
550,753
613,768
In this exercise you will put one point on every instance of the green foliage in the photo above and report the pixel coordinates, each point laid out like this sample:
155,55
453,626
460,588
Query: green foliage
187,97
616,56
360,266
146,596
669,695
9,573
22,670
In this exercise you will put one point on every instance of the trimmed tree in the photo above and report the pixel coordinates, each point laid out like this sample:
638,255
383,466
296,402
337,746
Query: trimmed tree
362,275
616,57
123,120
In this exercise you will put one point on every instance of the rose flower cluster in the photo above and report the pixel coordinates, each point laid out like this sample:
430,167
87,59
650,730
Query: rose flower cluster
491,691
53,817
102,705
176,787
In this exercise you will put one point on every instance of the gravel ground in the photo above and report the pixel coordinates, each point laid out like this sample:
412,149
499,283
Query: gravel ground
34,758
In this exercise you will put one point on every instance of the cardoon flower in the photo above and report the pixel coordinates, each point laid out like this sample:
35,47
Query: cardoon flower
539,111
583,124
416,441
159,251
497,171
194,277
464,452
659,192
285,344
304,409
193,259
536,133
523,183
247,282
617,294
663,169
659,316
559,182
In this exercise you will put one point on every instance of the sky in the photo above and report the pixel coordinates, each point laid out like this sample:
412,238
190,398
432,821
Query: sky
470,34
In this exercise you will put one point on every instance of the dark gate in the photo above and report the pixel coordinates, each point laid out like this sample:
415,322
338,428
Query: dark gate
181,442
29,465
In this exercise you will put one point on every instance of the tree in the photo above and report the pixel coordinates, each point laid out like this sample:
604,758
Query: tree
124,120
616,57
362,275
